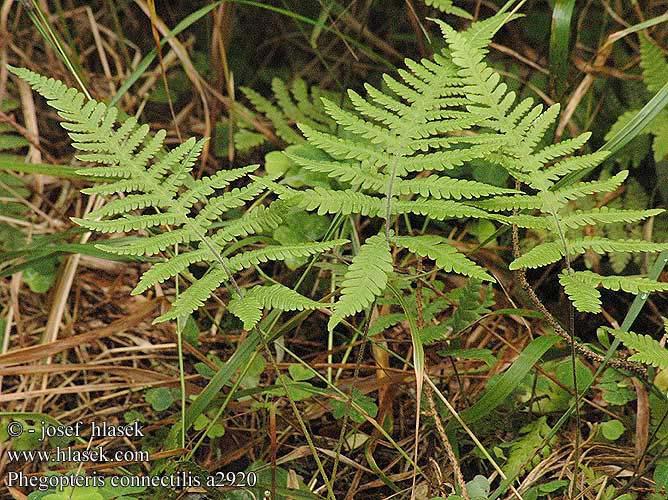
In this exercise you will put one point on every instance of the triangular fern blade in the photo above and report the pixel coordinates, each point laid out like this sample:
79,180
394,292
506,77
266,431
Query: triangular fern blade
365,279
445,255
172,267
195,296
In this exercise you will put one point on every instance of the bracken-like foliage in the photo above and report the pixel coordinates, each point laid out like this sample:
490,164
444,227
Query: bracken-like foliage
544,171
388,157
175,209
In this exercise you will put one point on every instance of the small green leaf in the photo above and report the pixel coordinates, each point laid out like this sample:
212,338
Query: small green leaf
612,429
276,163
552,486
661,474
159,398
191,331
299,372
201,422
216,430
478,487
41,275
342,408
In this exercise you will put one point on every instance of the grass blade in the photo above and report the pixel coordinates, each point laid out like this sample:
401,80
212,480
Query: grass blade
499,391
560,37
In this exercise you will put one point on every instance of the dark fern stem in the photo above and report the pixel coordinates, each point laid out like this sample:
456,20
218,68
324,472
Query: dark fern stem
520,275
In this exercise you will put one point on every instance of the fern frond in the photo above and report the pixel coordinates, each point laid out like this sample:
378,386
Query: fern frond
562,148
582,189
274,114
196,295
445,255
507,203
447,187
548,253
447,7
365,279
654,65
252,258
585,297
606,215
329,201
545,178
257,220
439,209
649,350
249,307
170,268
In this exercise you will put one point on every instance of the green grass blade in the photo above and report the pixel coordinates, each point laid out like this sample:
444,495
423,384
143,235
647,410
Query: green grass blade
499,391
560,37
627,133
60,171
143,65
629,319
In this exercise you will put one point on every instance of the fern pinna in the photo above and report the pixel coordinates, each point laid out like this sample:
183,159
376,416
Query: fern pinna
176,208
